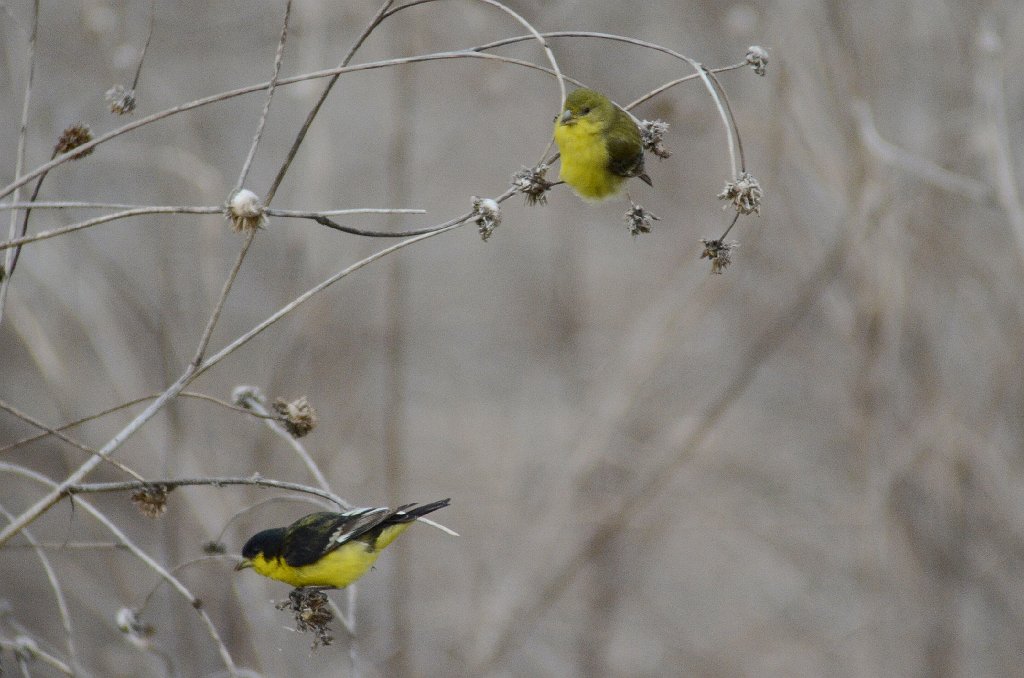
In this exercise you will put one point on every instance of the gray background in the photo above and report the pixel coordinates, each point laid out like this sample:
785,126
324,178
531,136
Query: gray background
808,466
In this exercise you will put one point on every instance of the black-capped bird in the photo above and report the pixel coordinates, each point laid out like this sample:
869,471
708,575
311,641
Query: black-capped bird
600,144
329,550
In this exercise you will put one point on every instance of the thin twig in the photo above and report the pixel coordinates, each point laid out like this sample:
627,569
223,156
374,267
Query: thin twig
95,221
311,116
17,649
919,167
122,406
171,483
70,441
19,163
271,88
138,210
251,402
145,47
304,297
249,89
58,593
204,341
306,214
1001,142
672,83
176,584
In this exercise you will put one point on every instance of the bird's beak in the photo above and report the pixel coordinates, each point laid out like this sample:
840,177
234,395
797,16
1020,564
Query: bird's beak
565,117
244,564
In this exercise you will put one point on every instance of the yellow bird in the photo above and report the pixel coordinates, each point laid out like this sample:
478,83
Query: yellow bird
329,550
600,146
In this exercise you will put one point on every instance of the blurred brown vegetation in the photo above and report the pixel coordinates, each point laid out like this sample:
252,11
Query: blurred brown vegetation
808,466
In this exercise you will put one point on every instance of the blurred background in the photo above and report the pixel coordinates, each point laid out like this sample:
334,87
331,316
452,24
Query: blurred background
810,465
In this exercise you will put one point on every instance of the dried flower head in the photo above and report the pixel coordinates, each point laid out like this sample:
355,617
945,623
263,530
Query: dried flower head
651,133
312,613
298,416
245,211
151,500
73,137
215,548
488,215
137,631
744,193
531,183
638,219
757,57
121,99
719,252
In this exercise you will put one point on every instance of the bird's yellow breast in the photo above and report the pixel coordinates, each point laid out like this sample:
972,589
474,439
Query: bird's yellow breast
585,160
337,568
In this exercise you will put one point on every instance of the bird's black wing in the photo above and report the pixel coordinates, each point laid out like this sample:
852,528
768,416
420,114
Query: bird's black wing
368,525
309,538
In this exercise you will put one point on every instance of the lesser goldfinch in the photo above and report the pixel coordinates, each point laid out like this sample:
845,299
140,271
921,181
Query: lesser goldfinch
600,146
329,550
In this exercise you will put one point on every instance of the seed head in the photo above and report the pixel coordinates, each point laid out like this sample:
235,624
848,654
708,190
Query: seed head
488,215
121,99
245,211
745,194
215,548
757,57
151,500
298,416
531,183
137,631
651,133
638,219
719,252
73,137
312,613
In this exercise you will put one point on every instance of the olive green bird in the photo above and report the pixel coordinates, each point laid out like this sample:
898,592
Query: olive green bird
329,550
600,146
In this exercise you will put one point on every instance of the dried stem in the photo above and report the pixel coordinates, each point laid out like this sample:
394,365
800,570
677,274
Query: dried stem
58,593
311,116
271,88
254,404
70,441
19,165
176,584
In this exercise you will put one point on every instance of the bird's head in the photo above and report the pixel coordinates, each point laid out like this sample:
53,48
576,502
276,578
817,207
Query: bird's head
586,104
261,547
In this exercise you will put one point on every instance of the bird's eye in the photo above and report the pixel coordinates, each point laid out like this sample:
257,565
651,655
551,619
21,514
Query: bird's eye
585,110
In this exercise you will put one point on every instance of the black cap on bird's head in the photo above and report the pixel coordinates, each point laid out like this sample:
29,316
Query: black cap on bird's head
269,543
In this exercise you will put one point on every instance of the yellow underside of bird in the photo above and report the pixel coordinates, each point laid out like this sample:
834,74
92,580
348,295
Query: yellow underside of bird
336,569
584,161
